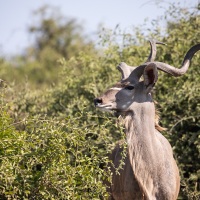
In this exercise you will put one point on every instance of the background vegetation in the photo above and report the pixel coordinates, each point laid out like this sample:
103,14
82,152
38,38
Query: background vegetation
54,144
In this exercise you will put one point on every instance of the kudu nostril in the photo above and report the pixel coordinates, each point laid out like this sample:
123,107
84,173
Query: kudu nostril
97,101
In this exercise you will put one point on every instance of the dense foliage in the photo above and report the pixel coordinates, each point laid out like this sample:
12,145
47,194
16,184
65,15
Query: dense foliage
54,144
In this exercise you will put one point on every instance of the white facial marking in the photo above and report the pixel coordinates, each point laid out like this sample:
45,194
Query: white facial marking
124,106
115,88
127,104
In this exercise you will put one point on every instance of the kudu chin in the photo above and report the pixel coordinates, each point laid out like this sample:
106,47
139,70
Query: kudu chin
150,171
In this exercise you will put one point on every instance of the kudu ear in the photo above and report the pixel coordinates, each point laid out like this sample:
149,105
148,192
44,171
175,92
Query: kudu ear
150,76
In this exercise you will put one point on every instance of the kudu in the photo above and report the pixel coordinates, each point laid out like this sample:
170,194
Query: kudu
150,171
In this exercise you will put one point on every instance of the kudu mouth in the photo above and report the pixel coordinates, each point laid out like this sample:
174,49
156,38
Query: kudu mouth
98,102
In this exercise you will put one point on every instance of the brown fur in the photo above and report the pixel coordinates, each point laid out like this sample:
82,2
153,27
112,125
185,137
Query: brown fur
157,126
120,188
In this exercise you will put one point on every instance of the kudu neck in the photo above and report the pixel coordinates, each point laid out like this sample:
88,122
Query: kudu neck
140,119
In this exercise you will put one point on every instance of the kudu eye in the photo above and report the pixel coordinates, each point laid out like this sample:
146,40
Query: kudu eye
129,87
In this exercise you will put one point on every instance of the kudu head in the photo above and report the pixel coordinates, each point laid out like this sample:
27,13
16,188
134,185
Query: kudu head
131,89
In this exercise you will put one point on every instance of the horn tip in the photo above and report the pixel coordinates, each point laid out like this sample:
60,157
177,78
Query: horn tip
156,42
121,65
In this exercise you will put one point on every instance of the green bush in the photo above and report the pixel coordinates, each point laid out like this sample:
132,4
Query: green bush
54,158
54,144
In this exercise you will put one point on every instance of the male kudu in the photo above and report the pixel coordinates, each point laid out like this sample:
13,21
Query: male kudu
150,171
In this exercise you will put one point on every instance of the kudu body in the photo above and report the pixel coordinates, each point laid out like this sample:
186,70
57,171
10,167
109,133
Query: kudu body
150,171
